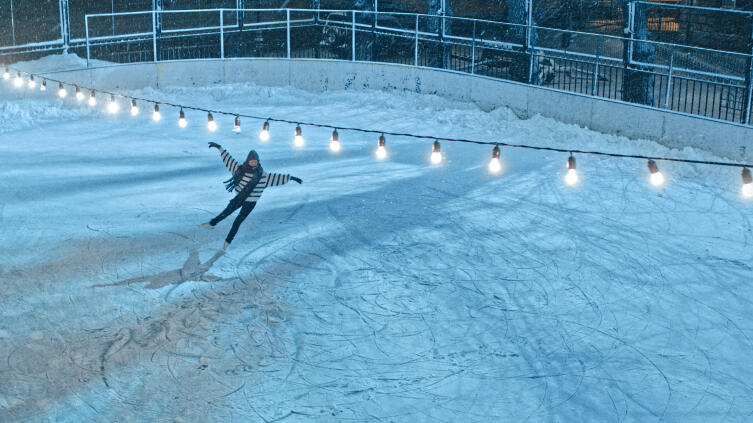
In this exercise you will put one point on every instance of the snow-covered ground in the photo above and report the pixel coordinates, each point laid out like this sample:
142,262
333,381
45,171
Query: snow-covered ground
375,291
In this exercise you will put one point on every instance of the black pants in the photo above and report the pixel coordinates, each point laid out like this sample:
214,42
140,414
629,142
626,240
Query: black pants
245,207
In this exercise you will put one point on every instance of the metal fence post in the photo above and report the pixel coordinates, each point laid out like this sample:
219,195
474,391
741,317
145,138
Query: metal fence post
353,36
631,30
530,64
473,50
12,24
415,56
222,34
750,81
529,38
154,34
65,30
287,18
596,67
239,17
88,52
750,91
669,77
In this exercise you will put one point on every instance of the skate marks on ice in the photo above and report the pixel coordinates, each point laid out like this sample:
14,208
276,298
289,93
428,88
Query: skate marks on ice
193,270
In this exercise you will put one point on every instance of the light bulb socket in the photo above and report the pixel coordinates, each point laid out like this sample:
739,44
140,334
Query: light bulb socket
156,108
44,85
133,103
298,131
238,121
652,167
265,127
571,162
210,118
78,90
335,135
382,141
495,152
182,115
112,98
747,178
31,78
93,94
435,148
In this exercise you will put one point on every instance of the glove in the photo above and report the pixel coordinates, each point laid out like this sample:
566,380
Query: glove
293,178
214,145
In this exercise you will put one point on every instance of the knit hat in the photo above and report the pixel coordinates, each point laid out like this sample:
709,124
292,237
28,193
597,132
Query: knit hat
252,155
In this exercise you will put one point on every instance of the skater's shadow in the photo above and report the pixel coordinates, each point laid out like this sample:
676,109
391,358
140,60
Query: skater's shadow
193,270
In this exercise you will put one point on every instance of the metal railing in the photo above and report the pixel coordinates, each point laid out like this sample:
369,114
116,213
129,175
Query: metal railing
693,80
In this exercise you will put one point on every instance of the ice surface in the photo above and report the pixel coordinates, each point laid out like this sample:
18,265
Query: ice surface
376,291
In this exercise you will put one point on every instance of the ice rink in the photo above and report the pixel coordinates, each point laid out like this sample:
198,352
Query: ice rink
396,290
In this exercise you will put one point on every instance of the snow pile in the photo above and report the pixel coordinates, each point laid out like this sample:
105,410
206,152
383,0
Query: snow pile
375,291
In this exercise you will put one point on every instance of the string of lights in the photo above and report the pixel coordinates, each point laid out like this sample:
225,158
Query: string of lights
571,177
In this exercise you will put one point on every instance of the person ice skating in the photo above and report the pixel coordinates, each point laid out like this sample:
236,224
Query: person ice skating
248,182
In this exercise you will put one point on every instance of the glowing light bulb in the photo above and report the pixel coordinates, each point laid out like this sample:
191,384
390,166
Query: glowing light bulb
298,139
32,83
18,81
381,151
134,108
237,126
747,189
61,91
156,115
43,87
264,134
182,119
495,165
657,179
92,99
79,94
571,177
113,106
6,74
334,142
211,124
436,155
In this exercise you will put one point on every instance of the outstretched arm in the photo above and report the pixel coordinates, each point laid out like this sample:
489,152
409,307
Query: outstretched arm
275,179
230,163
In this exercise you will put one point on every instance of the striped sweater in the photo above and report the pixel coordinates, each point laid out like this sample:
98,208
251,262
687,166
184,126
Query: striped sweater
267,179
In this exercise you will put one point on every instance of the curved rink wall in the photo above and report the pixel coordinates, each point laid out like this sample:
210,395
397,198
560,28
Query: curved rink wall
677,130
